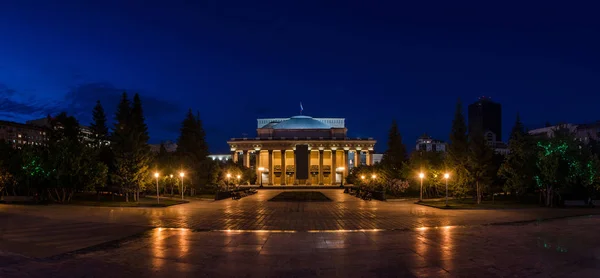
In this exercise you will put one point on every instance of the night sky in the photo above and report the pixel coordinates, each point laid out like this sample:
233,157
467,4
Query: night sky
235,61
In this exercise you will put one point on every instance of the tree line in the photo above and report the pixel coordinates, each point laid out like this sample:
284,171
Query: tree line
549,169
115,159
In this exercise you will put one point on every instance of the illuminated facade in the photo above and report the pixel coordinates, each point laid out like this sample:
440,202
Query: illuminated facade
302,150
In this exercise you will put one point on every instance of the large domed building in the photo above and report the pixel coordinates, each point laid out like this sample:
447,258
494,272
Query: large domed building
302,150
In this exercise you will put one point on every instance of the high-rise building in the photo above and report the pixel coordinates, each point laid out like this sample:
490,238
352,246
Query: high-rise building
485,116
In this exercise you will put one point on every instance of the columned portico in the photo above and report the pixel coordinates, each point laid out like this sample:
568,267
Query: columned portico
321,152
334,171
270,167
320,147
246,158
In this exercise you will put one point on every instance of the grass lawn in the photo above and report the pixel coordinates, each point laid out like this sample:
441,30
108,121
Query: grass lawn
470,204
107,201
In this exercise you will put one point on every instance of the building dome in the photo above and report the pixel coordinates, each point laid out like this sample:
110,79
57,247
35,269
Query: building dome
301,122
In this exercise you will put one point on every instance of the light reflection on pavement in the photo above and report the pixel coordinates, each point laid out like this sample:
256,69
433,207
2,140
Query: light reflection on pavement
347,237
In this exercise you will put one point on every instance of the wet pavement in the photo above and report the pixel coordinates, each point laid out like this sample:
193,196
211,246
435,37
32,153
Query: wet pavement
347,237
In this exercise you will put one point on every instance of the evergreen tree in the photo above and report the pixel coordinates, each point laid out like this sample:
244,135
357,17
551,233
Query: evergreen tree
141,149
138,121
192,149
131,151
518,166
458,150
395,155
480,166
98,125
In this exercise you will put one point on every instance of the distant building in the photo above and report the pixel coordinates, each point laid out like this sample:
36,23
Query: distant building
428,144
20,134
377,158
548,131
220,157
585,132
486,116
582,132
86,133
169,146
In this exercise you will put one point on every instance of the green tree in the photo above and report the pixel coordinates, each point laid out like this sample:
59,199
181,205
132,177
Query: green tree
192,150
141,150
124,172
458,152
98,126
557,164
480,166
395,155
518,167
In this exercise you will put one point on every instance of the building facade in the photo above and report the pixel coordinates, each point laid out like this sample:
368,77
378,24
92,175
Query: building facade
426,143
20,134
302,150
582,132
485,116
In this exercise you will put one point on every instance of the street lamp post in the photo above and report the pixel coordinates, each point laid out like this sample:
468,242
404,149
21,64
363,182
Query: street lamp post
261,169
341,170
157,196
171,183
446,176
421,176
181,175
238,178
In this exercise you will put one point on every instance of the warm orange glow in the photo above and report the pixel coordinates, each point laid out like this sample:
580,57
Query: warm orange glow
239,177
421,175
228,175
362,177
171,175
261,169
374,176
446,176
156,175
181,174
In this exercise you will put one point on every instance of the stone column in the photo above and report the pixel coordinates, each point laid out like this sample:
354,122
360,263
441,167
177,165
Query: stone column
256,166
321,167
333,167
283,174
346,164
370,160
367,158
246,159
356,158
270,167
234,156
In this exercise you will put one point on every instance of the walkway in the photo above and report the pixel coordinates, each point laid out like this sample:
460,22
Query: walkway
347,237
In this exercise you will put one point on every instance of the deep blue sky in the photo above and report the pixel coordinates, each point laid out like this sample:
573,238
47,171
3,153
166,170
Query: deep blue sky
235,61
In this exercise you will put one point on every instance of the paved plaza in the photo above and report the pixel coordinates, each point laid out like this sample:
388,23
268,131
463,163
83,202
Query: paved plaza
253,237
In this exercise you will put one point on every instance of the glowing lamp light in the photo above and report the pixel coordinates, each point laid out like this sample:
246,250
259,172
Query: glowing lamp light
156,175
421,175
446,176
239,177
374,176
228,175
261,169
362,177
181,174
